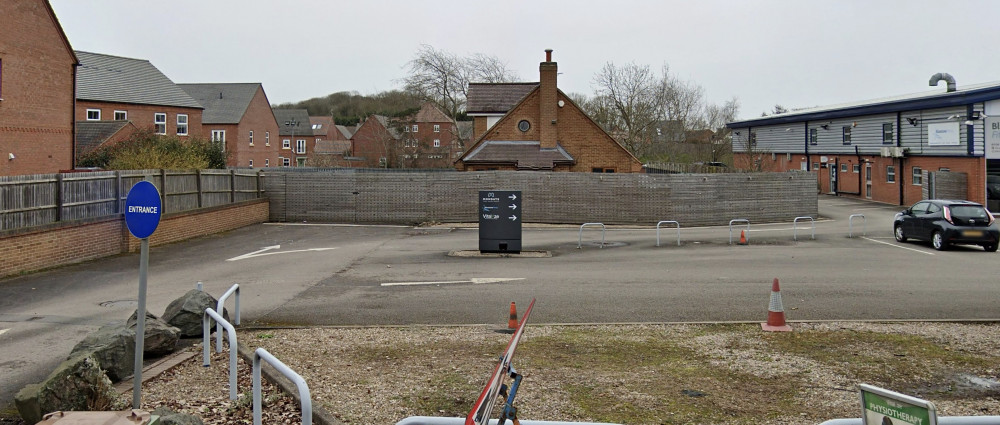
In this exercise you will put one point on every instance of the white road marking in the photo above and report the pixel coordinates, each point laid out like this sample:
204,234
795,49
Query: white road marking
263,252
475,281
2,331
897,246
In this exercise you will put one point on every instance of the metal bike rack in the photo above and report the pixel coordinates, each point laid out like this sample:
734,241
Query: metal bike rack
795,222
668,222
300,383
738,220
579,243
206,328
434,420
850,225
218,308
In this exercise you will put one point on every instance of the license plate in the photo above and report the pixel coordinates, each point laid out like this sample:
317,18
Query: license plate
972,233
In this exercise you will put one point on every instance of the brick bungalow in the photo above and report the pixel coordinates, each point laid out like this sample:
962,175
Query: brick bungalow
544,130
239,116
37,77
114,88
91,135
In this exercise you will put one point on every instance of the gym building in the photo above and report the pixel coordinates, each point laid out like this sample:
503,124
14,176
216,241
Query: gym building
897,150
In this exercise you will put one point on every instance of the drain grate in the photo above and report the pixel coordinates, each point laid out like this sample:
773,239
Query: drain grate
120,304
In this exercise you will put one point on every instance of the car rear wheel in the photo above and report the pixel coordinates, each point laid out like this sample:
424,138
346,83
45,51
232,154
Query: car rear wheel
990,248
898,232
938,241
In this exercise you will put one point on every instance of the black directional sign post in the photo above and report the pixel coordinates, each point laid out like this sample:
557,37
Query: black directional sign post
500,221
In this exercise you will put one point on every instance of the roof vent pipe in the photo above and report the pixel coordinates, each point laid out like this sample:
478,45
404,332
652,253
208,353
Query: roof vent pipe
946,77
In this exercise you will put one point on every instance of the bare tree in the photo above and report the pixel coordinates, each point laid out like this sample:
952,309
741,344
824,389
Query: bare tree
631,98
443,77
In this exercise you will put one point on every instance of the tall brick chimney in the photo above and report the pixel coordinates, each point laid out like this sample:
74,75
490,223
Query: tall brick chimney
548,96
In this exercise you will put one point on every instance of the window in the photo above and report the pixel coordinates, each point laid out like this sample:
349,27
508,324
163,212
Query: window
267,162
182,124
267,138
813,136
286,162
803,165
300,146
160,123
890,173
437,143
121,115
93,115
815,166
887,134
381,161
437,128
300,162
847,134
219,138
918,176
414,128
286,143
524,125
251,163
602,170
251,137
753,138
843,168
406,129
857,168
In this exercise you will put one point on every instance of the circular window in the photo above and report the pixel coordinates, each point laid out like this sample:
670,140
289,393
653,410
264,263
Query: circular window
524,125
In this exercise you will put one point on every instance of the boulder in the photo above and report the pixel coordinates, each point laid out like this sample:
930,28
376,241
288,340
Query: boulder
77,384
160,338
113,346
169,417
186,312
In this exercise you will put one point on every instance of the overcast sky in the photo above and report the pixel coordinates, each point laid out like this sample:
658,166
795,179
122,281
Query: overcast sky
790,52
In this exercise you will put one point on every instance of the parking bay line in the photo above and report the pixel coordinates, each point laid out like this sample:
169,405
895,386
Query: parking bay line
2,331
897,246
475,280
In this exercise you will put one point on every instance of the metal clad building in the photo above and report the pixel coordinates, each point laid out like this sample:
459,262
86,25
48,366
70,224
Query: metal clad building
888,150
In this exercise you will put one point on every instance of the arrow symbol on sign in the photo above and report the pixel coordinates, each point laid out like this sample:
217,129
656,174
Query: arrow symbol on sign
512,197
474,281
513,218
513,206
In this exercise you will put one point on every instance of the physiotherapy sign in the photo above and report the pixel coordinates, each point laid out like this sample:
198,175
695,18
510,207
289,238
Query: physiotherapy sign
142,209
884,407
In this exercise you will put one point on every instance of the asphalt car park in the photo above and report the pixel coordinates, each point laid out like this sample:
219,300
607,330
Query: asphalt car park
333,275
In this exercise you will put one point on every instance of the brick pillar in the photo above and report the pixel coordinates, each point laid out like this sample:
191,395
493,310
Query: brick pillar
548,109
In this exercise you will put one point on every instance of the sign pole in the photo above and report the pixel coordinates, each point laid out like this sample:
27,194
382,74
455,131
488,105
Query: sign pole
140,324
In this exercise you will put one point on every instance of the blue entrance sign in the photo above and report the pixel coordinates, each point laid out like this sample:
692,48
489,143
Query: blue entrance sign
142,209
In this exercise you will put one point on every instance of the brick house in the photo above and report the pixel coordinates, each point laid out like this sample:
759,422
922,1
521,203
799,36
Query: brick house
37,76
544,130
430,139
374,142
332,143
114,88
296,134
239,117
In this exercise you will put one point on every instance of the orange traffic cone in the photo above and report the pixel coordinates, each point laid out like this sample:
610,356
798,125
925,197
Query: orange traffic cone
512,322
775,312
743,237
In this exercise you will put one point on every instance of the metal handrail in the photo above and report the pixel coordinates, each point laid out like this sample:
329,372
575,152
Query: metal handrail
850,225
206,360
300,383
219,307
737,220
795,236
579,243
658,231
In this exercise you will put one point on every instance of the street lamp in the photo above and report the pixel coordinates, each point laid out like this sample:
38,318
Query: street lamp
292,123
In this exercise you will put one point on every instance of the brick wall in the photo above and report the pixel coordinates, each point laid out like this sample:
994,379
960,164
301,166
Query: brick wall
142,115
344,196
258,118
36,110
67,243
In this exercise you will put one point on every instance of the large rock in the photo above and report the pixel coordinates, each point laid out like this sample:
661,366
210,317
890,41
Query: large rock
169,417
160,338
113,346
186,312
77,384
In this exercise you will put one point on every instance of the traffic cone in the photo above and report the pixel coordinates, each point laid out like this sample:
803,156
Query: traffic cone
512,322
775,312
743,237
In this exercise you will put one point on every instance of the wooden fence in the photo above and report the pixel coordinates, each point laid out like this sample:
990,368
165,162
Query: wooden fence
36,200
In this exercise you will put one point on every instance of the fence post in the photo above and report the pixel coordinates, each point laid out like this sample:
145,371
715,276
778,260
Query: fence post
59,196
260,183
232,186
163,190
201,193
118,192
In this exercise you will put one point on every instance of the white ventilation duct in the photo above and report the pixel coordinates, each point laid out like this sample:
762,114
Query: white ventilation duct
946,77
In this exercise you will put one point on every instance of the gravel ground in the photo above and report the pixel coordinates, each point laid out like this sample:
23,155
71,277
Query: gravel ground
382,375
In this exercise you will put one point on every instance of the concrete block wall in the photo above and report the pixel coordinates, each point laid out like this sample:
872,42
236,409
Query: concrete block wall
345,196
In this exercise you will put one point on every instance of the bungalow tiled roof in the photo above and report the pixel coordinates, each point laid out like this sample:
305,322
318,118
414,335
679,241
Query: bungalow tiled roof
300,116
527,155
114,79
225,103
91,134
486,98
